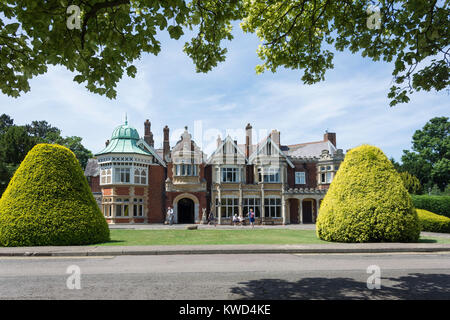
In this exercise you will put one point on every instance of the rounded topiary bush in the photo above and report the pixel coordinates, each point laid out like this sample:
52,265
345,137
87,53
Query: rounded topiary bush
367,202
48,202
433,222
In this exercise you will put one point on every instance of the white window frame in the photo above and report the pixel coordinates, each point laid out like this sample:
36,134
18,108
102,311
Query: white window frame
141,176
272,207
186,170
105,176
229,206
247,205
300,177
269,174
138,207
121,174
235,173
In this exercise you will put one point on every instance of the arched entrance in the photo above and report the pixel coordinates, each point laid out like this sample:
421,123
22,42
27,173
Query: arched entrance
185,210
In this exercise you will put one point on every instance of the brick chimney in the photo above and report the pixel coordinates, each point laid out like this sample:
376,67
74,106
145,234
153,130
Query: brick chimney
248,140
330,136
148,135
275,137
166,143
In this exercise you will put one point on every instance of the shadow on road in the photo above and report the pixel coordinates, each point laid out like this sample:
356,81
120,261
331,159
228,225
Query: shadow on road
412,286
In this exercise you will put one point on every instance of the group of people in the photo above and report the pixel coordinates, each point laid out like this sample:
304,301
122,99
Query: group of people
212,218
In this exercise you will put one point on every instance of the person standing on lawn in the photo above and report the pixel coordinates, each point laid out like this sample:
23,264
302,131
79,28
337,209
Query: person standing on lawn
251,217
170,215
212,218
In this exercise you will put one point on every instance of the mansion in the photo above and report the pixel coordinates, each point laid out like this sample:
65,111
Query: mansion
135,183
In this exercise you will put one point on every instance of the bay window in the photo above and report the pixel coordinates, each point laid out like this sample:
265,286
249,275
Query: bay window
122,175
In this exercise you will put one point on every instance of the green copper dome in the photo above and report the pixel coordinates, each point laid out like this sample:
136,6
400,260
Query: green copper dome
124,139
125,132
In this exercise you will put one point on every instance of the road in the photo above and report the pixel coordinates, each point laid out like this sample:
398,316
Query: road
254,276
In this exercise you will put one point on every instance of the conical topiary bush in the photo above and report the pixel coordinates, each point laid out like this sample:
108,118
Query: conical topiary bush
48,202
367,202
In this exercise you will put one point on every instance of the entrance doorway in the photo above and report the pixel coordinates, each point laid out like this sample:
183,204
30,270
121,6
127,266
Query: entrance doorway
185,211
307,210
293,211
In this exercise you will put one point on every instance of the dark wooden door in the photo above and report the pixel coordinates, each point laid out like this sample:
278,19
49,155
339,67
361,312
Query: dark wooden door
307,212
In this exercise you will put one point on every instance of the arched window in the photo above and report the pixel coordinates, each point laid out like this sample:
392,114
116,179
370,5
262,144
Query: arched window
143,176
137,176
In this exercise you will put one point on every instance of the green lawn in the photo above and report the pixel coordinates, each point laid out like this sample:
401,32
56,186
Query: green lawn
122,237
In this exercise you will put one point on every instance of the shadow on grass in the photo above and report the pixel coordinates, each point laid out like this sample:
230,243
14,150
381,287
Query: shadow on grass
109,242
411,286
427,241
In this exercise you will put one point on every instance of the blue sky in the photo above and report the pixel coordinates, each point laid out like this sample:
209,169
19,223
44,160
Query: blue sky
352,101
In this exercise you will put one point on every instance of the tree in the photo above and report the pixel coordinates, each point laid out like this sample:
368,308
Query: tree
5,123
74,144
367,202
429,159
44,132
17,141
15,144
48,202
396,165
295,34
411,183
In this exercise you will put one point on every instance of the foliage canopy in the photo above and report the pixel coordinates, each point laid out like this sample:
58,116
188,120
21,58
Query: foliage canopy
295,34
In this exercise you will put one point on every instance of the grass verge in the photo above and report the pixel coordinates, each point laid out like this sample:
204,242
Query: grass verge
121,237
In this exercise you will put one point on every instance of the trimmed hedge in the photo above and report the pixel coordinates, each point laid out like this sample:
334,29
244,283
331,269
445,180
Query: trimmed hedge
432,222
438,204
48,202
367,202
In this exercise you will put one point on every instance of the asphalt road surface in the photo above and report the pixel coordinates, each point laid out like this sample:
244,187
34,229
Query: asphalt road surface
254,276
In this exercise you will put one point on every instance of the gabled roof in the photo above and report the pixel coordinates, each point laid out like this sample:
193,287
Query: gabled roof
311,149
220,148
262,145
187,144
92,168
152,151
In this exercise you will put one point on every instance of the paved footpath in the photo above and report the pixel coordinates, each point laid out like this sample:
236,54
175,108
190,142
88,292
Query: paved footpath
226,249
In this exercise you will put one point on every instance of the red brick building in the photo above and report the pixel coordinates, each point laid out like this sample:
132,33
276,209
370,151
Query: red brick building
136,183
